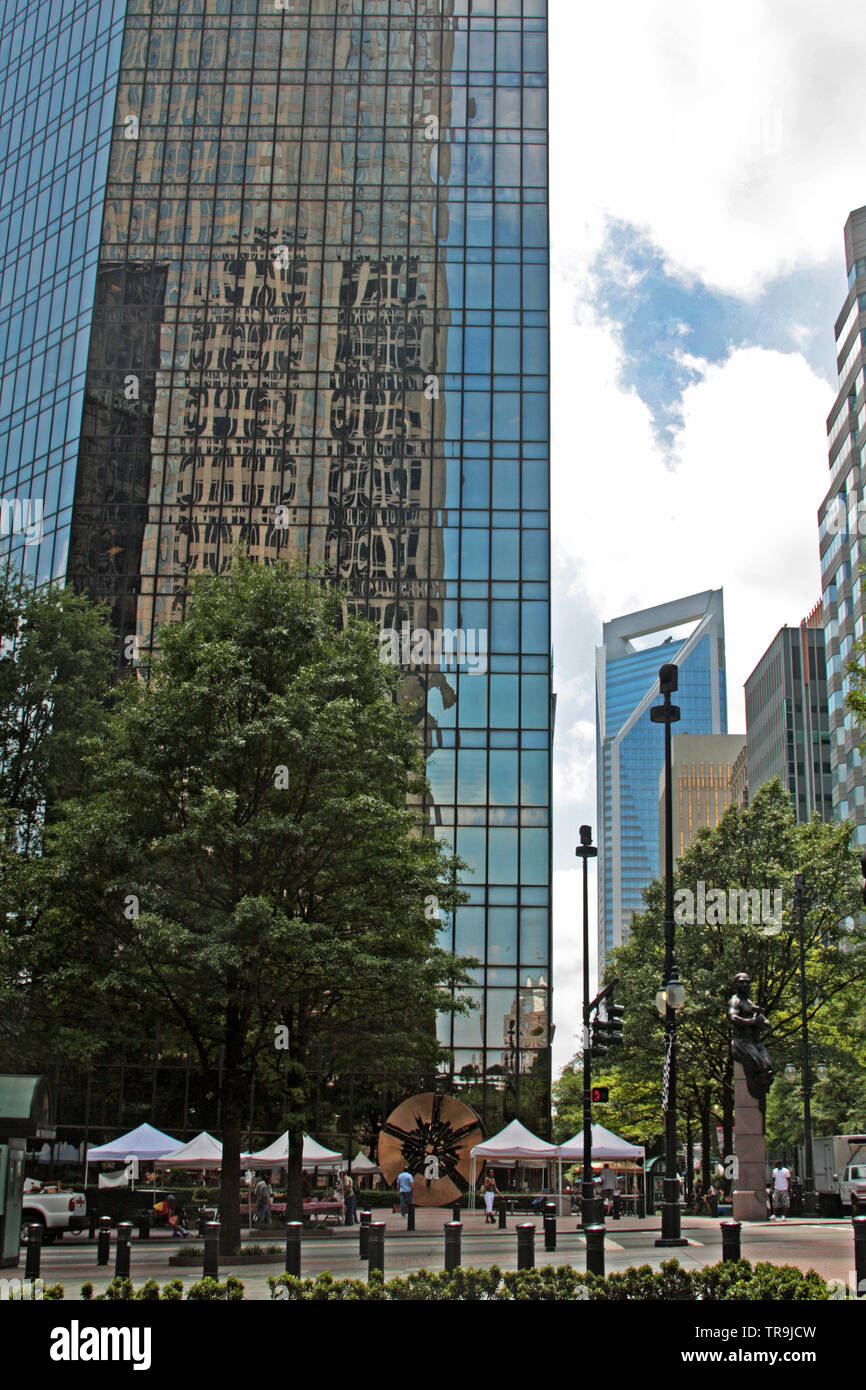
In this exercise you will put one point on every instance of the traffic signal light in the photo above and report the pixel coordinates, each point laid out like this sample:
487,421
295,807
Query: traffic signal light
600,1095
615,1024
598,1039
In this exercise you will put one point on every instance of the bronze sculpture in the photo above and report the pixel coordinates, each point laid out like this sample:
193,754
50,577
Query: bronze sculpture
749,1023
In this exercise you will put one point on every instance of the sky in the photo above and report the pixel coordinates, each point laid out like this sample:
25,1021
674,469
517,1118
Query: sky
703,161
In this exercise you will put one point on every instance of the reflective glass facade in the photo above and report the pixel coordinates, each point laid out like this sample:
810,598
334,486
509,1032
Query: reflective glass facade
320,326
58,75
630,748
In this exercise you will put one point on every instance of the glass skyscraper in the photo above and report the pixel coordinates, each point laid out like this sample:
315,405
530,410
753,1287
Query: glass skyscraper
316,323
630,748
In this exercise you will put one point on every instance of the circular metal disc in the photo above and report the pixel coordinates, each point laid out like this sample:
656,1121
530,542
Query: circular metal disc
432,1136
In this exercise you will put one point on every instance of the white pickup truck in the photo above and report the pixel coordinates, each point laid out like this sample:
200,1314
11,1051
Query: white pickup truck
55,1211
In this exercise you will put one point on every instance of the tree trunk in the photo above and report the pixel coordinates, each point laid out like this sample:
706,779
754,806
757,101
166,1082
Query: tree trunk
294,1172
234,1090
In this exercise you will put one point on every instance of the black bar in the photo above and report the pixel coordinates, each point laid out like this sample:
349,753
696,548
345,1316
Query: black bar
293,1247
364,1219
103,1241
92,1219
502,1214
410,1217
550,1225
121,1253
34,1250
526,1245
731,1239
455,1211
144,1225
594,1249
859,1224
453,1233
211,1265
376,1249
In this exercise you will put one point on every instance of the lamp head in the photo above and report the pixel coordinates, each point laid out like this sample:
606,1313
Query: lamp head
668,679
586,834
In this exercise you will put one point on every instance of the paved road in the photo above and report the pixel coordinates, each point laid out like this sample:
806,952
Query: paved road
826,1246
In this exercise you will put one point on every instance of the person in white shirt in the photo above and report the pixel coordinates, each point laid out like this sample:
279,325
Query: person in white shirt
781,1192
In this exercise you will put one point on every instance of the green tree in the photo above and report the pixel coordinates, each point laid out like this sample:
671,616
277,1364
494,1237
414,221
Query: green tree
249,862
760,848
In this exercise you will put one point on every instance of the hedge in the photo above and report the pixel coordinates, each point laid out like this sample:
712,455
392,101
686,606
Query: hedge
721,1282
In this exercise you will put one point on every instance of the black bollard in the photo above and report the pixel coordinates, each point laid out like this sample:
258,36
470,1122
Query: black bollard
144,1225
410,1217
550,1225
453,1232
731,1239
211,1266
376,1249
526,1245
594,1249
859,1224
34,1250
617,1208
364,1219
92,1219
455,1211
121,1254
503,1210
103,1240
293,1247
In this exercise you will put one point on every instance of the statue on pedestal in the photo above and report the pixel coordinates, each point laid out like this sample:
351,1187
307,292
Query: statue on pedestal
749,1023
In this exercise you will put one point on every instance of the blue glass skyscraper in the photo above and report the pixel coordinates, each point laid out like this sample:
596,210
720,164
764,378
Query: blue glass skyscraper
630,749
314,308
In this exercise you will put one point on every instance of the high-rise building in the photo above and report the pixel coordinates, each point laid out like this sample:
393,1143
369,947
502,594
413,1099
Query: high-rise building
630,748
312,280
787,719
702,766
841,530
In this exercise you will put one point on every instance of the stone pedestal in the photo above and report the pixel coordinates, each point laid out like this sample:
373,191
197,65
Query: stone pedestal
750,1185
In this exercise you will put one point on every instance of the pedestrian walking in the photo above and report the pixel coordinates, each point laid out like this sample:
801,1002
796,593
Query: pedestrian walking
781,1192
490,1191
349,1199
406,1189
263,1195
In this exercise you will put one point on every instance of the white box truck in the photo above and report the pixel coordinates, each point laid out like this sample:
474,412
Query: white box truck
840,1171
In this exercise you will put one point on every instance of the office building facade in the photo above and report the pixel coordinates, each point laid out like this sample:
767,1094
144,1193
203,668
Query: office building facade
788,719
630,748
842,533
702,768
319,329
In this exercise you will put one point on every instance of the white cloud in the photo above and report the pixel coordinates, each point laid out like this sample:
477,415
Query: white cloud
724,132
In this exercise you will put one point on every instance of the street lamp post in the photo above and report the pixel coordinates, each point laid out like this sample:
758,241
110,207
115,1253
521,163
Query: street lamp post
586,851
672,995
810,1201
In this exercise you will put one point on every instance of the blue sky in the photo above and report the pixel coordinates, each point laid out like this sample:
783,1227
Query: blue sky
703,163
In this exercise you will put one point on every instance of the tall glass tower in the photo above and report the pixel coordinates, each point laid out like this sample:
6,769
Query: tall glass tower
630,748
318,325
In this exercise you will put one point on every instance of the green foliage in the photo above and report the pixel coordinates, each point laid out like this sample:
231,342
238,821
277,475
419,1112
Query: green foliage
670,1283
208,1289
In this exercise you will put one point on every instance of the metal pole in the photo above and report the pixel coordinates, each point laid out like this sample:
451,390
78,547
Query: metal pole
211,1264
453,1233
588,1211
410,1217
376,1249
526,1245
731,1231
550,1225
810,1201
364,1219
595,1249
502,1214
293,1247
103,1240
34,1250
121,1253
668,714
859,1224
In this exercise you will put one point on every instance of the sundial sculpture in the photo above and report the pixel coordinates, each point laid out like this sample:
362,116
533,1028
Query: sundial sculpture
753,1077
432,1136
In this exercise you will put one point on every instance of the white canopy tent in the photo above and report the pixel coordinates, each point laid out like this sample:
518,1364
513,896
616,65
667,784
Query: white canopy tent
605,1145
513,1144
362,1164
145,1143
201,1152
276,1155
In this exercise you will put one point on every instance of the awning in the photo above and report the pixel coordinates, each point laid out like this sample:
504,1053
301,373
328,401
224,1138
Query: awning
201,1152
